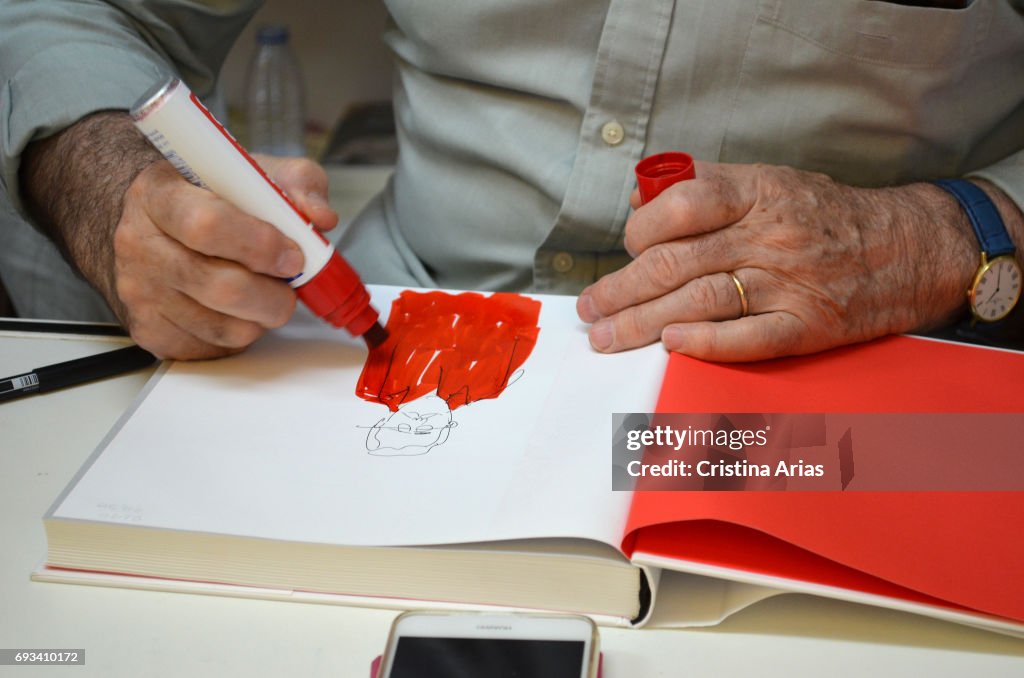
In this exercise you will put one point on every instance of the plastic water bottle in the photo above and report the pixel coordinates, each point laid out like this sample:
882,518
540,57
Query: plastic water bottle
275,107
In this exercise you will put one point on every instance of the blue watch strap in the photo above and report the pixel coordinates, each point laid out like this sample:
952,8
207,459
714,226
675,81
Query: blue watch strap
983,215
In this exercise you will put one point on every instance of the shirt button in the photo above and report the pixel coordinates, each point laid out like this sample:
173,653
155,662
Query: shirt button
562,262
612,133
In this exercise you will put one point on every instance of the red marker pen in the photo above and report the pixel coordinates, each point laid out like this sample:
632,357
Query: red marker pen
199,147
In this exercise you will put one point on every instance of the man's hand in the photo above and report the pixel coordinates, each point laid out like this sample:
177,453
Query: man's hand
198,278
822,265
189,275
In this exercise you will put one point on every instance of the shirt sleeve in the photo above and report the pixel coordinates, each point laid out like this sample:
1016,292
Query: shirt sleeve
61,60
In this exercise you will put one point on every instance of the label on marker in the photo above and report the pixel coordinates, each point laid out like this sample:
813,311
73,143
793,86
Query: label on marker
26,381
18,383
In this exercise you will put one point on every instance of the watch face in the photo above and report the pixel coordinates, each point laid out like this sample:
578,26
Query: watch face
996,289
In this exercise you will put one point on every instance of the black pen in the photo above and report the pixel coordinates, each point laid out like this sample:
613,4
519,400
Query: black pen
80,370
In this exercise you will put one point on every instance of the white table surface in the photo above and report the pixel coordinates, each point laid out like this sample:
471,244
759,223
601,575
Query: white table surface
45,439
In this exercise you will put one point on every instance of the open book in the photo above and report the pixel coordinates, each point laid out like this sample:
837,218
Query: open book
266,474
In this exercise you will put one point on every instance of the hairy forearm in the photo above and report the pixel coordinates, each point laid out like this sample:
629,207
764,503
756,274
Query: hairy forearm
73,185
942,251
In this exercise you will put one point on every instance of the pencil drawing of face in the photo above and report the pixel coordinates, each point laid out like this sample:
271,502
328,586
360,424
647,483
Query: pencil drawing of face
414,429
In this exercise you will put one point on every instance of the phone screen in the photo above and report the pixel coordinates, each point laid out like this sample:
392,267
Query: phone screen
487,658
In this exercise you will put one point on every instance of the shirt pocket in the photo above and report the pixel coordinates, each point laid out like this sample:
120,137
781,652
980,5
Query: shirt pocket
862,90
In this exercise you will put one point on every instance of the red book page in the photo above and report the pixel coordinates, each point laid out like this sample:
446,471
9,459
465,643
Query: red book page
966,548
711,542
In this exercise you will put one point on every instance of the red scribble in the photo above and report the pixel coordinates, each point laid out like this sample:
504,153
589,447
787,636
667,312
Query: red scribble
465,347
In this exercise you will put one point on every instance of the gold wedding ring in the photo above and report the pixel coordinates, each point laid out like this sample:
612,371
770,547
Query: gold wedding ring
743,294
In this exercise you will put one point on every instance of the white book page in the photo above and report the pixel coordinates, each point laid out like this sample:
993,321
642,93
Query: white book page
273,443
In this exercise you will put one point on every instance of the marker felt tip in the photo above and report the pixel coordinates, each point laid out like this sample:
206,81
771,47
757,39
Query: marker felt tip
199,147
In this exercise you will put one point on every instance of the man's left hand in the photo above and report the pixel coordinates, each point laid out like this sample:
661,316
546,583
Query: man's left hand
822,264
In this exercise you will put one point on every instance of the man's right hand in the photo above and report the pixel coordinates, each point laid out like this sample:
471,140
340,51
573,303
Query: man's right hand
189,275
194,276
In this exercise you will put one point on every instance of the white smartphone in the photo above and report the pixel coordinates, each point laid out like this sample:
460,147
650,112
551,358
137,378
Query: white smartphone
481,645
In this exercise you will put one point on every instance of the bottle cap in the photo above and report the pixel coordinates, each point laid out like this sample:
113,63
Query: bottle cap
272,35
337,295
655,173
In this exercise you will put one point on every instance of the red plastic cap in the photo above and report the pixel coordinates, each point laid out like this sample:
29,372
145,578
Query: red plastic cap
337,295
655,173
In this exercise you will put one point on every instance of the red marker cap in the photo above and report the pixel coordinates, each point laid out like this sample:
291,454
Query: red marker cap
655,173
337,295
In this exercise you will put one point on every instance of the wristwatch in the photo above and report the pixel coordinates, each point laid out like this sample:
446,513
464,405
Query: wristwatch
996,288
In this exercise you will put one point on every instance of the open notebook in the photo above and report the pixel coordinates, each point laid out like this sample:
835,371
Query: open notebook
264,474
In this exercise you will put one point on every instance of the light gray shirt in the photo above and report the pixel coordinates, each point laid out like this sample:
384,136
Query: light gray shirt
520,121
